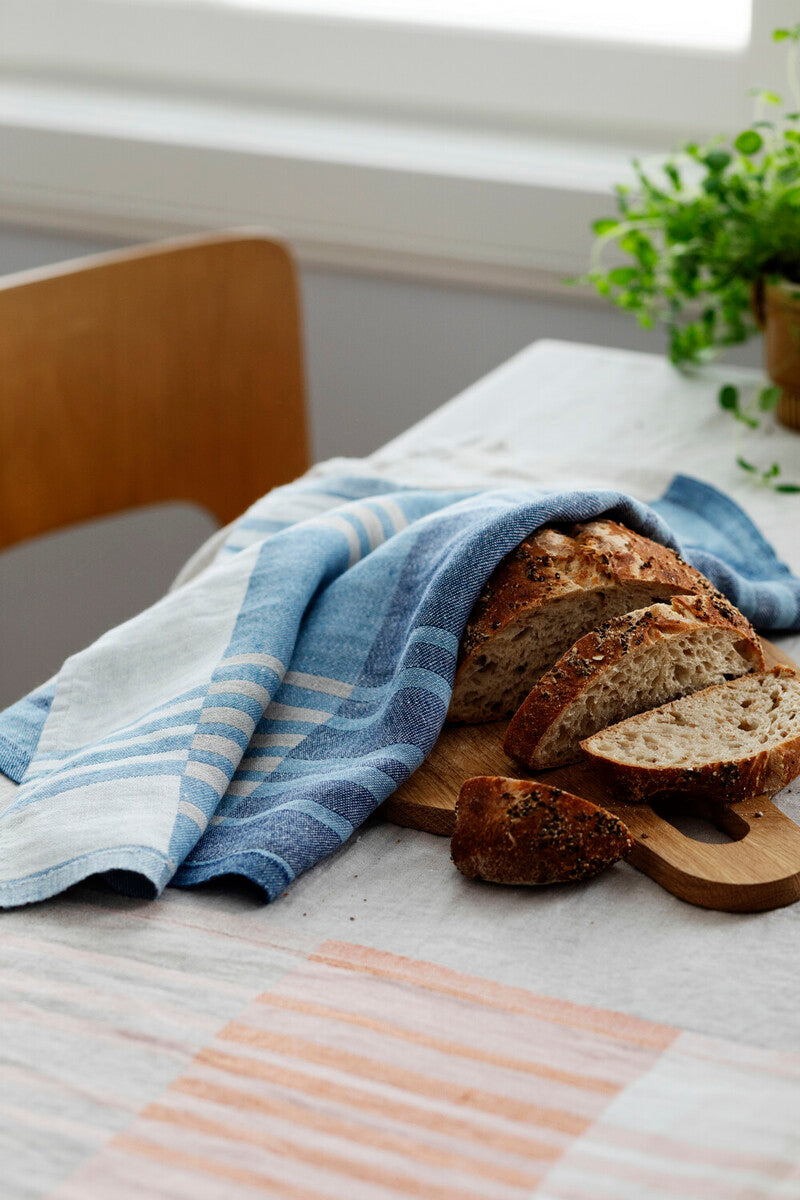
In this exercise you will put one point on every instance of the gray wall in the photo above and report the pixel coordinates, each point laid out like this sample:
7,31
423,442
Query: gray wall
381,353
384,352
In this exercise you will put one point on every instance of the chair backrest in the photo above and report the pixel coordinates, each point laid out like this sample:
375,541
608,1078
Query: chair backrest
166,372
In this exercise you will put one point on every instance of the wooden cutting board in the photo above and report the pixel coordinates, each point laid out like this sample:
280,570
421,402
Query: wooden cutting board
759,869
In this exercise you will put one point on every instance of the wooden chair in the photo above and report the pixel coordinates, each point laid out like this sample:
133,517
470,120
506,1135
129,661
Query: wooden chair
166,372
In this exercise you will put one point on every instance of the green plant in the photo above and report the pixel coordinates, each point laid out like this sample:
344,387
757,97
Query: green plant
705,225
769,477
764,401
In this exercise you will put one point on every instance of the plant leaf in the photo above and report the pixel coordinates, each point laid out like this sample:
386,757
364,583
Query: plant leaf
717,160
728,398
605,225
792,488
622,275
768,398
749,142
673,175
745,465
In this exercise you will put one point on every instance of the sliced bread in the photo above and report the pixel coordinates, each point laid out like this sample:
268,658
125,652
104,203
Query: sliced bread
518,831
729,742
627,665
547,593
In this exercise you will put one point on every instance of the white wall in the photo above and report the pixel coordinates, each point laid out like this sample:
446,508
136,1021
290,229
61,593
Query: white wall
381,353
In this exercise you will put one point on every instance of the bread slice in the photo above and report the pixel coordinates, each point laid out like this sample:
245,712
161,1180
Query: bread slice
728,742
630,664
518,831
547,593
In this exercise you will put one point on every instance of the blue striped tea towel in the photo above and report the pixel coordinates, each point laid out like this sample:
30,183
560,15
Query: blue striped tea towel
252,719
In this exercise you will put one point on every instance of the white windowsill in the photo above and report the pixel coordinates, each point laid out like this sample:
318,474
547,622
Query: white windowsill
493,209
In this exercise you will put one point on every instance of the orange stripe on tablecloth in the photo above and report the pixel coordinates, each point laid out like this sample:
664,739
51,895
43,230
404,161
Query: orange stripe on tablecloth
395,1110
87,994
455,1049
138,966
391,1143
399,1077
448,982
306,1153
200,1165
91,1029
754,1060
227,926
29,1077
658,1145
75,1131
651,1178
567,1191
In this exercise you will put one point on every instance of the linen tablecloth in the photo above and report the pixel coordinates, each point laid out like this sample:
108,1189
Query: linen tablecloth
388,1028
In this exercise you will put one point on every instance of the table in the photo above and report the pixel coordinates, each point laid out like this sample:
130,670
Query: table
390,1029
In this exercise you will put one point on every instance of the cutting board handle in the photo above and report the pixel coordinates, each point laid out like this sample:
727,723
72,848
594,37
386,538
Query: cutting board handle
759,870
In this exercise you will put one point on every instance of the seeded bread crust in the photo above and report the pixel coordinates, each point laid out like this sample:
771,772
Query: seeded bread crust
725,781
552,565
598,651
521,832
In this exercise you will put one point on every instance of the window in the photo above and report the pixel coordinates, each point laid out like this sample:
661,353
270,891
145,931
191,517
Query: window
662,68
712,24
467,140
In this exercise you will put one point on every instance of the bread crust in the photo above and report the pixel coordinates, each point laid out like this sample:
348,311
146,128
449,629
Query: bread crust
602,648
553,564
727,781
523,832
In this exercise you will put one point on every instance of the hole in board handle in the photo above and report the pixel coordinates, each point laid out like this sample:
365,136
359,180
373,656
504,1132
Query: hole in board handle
700,820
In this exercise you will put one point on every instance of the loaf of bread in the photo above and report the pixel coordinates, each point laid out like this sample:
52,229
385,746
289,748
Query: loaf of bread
627,665
546,594
729,742
517,831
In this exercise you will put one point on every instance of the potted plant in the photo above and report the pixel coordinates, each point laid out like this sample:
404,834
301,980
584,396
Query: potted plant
711,239
777,308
